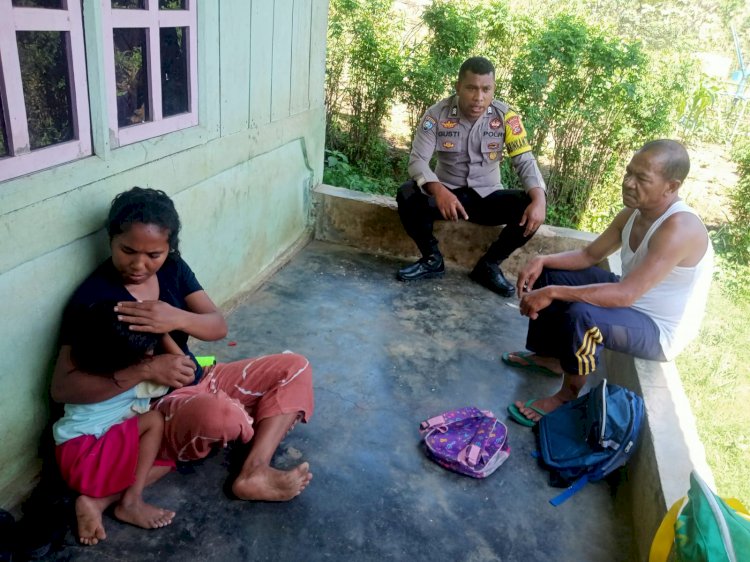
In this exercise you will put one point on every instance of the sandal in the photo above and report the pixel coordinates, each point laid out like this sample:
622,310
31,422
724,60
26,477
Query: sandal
517,416
530,365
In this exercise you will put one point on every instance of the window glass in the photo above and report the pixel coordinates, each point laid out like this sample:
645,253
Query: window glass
151,75
43,56
44,106
128,4
174,70
131,76
55,4
172,5
3,134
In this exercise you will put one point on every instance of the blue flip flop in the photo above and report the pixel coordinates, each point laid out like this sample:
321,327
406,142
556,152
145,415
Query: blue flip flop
518,417
531,365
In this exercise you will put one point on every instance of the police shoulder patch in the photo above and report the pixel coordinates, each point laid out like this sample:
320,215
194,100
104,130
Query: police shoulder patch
515,135
428,123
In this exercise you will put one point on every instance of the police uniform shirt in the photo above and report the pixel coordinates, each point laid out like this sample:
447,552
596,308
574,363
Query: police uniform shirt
469,154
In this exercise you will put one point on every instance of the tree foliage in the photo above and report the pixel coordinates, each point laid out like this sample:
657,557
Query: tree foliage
593,80
364,73
46,86
589,99
451,31
732,240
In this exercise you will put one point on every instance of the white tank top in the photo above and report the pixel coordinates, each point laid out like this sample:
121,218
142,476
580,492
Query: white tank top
678,303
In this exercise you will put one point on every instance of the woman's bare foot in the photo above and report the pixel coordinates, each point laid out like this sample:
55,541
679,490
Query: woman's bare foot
89,516
264,483
144,515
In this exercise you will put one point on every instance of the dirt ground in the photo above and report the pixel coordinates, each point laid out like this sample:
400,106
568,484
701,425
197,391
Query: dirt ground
712,178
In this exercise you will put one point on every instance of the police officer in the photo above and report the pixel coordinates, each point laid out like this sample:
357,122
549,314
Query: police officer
469,131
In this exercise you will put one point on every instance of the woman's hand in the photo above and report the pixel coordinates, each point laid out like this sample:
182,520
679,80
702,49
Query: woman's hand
171,370
156,317
201,319
72,386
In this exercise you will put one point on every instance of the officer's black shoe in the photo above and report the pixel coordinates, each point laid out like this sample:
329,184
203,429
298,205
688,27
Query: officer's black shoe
491,276
428,267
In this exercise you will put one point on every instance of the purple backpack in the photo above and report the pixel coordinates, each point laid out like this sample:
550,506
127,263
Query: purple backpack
468,441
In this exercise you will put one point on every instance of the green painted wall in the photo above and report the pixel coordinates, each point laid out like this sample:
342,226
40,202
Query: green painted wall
240,180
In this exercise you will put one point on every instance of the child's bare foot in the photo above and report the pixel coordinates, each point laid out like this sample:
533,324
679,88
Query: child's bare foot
144,515
89,516
269,484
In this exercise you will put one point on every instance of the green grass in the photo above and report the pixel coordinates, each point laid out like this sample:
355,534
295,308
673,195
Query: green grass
715,371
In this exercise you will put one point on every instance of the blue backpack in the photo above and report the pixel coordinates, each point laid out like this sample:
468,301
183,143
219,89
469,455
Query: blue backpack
586,439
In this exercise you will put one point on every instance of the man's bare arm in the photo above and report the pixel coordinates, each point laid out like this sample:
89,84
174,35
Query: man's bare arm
604,245
680,241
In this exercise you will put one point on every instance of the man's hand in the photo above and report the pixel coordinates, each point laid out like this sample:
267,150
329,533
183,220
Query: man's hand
534,215
168,369
534,301
156,317
447,203
528,275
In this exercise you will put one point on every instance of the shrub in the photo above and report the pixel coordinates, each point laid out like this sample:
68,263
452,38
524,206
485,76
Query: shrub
363,72
732,240
504,34
587,101
588,97
340,172
452,32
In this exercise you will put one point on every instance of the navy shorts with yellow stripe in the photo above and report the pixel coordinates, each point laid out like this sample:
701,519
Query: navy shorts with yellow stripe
576,332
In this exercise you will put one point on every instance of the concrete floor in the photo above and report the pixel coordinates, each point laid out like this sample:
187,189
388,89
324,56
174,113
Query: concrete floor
386,355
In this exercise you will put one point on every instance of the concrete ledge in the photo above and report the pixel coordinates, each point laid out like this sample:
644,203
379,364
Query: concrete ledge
371,223
670,447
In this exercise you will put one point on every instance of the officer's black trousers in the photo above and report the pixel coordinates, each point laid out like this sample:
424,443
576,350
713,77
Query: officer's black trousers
419,212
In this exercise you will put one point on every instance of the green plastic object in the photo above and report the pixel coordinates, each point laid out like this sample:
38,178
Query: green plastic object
206,360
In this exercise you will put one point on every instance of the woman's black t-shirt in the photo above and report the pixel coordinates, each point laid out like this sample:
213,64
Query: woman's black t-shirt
176,282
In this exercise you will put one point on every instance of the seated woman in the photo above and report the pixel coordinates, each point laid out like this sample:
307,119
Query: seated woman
156,291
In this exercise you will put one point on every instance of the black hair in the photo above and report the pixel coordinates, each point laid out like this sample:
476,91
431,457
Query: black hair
675,161
145,206
477,65
102,344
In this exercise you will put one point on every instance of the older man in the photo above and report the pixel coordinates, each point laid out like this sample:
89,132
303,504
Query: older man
469,131
653,311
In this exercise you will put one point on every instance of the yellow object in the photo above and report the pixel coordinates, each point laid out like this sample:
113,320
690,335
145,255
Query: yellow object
673,533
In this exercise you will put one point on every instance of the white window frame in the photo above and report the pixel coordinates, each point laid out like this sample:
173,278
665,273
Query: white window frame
21,159
152,19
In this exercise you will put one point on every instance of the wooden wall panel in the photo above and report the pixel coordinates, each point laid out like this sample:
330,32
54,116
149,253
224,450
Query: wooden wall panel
301,56
281,71
234,47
